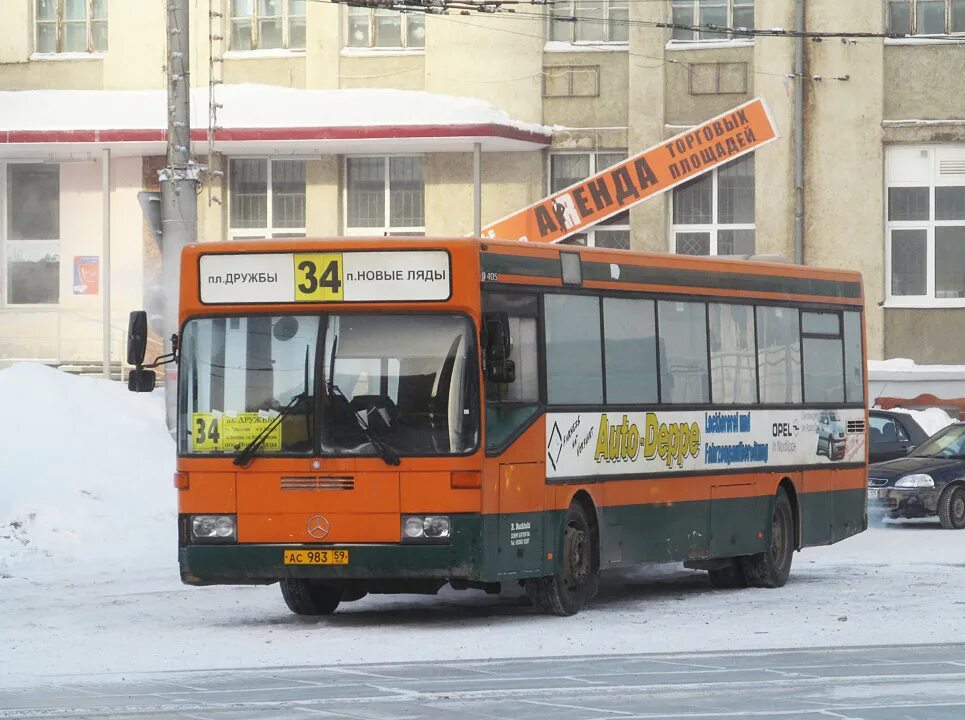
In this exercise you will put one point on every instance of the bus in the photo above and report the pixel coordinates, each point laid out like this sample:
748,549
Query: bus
392,415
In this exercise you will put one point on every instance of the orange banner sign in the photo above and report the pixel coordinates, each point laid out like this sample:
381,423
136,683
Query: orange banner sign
651,172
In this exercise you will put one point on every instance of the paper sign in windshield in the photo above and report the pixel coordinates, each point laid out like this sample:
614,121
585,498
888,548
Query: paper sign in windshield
218,432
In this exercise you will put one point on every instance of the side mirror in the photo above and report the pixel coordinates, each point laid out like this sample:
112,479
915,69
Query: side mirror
137,338
499,368
141,380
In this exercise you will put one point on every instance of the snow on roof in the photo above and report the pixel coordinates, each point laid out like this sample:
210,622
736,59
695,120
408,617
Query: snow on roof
906,366
249,106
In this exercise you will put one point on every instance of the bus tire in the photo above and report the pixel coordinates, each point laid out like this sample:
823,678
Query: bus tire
771,568
308,597
728,578
566,592
951,508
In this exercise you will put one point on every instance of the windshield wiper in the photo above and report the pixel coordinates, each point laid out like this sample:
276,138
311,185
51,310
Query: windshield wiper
386,451
247,454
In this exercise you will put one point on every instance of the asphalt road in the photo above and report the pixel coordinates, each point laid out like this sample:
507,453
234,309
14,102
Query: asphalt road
870,683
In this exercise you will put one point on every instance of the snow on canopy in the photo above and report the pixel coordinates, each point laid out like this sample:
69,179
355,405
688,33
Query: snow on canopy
247,106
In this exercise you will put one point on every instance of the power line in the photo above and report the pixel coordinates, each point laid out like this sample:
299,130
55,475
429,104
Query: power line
468,7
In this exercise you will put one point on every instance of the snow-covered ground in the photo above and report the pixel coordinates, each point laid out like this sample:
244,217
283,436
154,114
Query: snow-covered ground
89,581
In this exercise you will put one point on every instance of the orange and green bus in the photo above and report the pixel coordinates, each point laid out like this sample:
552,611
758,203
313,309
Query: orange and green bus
392,415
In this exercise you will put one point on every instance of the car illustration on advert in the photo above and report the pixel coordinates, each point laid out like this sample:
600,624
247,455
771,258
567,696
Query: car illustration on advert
831,435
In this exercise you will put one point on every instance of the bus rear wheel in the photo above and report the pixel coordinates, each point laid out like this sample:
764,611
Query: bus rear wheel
309,597
566,592
771,568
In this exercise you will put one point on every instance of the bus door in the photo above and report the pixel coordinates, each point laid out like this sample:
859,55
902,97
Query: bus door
515,438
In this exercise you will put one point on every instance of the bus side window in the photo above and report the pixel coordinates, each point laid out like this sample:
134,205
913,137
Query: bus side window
853,366
778,354
522,311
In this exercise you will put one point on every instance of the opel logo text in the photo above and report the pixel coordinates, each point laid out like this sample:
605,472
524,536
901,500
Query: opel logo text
319,527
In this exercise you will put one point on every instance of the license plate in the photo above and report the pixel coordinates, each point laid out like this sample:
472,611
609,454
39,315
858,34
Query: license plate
873,494
316,557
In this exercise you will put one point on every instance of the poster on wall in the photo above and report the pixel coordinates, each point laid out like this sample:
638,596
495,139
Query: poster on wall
86,274
661,442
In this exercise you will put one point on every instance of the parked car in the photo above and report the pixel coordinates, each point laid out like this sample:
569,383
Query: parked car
892,434
831,437
929,481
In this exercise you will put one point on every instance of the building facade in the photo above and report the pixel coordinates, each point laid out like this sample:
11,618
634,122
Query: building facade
333,120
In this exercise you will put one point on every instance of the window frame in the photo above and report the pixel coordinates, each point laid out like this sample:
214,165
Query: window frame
829,335
59,23
404,45
913,20
608,6
715,226
603,227
934,181
5,240
754,303
269,231
254,18
387,229
730,5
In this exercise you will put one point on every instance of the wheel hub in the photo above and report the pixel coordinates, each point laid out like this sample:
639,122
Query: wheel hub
575,557
958,509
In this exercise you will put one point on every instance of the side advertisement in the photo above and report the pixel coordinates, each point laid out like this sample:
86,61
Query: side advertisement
661,442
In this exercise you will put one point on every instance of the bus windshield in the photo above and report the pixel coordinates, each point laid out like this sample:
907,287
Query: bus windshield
406,379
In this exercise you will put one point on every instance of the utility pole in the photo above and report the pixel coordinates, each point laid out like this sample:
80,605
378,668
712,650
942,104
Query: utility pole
179,182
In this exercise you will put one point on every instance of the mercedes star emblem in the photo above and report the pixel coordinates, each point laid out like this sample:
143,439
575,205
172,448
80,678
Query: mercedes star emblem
319,527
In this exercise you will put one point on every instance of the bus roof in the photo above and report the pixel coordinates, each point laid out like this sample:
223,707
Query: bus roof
512,263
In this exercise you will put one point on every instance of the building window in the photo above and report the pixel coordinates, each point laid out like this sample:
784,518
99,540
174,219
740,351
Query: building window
568,168
266,198
926,17
71,26
723,13
925,227
590,21
267,25
714,214
385,196
31,234
385,29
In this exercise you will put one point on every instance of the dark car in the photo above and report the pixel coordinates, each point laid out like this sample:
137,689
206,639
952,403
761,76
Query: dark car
892,434
929,481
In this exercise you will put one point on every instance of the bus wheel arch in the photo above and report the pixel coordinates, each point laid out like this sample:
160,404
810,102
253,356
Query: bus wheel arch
771,568
576,575
589,507
791,491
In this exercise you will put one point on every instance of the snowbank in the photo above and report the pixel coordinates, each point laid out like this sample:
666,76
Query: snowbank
85,471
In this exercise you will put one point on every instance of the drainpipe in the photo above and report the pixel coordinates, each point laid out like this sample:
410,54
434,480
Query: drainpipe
106,258
799,134
476,189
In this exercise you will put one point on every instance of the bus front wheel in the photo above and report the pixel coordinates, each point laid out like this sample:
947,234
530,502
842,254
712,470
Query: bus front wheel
566,591
307,597
771,568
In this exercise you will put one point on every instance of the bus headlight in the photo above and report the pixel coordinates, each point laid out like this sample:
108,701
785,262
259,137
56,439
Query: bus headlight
425,528
213,528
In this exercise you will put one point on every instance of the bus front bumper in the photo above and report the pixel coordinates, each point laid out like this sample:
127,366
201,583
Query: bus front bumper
462,558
